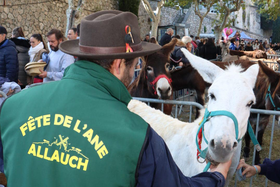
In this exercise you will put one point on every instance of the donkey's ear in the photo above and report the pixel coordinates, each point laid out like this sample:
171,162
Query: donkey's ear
205,68
168,48
272,75
251,74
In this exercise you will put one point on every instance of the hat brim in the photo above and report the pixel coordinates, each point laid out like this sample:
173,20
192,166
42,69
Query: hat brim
72,47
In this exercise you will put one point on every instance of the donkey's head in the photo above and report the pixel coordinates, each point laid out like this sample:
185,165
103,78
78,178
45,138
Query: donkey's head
230,99
156,72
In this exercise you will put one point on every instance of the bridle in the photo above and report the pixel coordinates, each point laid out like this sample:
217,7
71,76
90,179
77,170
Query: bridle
153,83
200,132
268,95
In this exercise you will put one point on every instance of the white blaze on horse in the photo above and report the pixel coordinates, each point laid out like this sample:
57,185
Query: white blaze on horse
230,99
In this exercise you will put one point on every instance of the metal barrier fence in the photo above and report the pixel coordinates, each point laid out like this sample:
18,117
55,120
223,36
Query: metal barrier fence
271,56
259,112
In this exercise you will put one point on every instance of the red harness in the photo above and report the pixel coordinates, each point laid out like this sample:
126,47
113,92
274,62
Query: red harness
156,79
199,138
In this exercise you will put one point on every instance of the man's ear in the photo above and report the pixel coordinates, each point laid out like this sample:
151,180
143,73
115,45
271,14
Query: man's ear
116,68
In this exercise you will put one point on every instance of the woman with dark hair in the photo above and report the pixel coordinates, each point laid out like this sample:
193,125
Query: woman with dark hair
249,47
36,51
153,40
22,46
210,50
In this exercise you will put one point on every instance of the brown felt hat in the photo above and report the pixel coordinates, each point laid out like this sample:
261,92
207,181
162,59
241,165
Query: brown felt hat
102,36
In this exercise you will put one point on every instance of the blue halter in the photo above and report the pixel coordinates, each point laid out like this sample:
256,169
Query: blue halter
207,116
268,94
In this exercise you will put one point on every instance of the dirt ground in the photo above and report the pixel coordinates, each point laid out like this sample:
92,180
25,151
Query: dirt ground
257,181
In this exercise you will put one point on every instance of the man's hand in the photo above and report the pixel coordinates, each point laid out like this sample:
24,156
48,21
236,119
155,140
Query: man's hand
43,74
222,168
10,92
248,171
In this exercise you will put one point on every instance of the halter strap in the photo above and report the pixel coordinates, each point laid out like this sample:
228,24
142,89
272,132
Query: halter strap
268,95
156,80
207,117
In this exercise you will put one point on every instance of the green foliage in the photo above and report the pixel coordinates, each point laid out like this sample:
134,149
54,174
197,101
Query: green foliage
182,3
129,5
270,8
205,29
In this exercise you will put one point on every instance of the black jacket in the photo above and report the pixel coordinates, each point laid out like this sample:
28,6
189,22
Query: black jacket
166,38
9,61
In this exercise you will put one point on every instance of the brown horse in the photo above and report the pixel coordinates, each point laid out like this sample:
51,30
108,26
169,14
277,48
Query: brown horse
188,77
154,80
253,54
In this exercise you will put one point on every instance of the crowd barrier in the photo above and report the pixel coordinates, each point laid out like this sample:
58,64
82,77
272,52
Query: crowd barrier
274,114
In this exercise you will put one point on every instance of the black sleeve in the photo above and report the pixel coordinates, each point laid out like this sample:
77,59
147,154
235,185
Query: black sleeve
157,168
271,169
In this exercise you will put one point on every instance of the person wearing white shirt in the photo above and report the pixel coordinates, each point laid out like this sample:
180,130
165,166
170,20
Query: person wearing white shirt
57,61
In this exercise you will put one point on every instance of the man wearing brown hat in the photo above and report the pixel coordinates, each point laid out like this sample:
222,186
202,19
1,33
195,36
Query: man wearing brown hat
78,131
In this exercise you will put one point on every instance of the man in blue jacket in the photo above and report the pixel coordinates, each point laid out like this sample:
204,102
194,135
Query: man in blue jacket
8,58
83,128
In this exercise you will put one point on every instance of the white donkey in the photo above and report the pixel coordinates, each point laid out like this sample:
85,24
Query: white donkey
230,99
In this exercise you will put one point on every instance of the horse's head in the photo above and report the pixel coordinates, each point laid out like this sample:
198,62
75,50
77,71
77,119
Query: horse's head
157,73
230,99
272,97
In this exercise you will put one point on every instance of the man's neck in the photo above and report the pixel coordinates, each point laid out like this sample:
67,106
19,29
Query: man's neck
3,42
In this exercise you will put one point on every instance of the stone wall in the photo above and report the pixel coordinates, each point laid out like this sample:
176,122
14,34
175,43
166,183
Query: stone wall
167,16
40,16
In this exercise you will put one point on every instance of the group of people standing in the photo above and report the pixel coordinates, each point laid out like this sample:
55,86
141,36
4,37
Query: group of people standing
17,51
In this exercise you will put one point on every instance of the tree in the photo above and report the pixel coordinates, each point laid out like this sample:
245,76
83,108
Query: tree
154,15
271,8
207,4
129,5
71,13
224,9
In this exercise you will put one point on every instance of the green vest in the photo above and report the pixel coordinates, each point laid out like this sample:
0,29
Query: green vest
74,132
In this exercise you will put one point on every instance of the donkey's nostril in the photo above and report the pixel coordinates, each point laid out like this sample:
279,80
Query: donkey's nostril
168,89
212,143
234,144
159,90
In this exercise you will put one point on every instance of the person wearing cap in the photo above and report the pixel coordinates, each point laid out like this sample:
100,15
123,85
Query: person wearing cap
79,131
269,168
8,58
57,61
166,38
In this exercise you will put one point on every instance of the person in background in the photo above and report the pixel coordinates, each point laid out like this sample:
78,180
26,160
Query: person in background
256,45
153,40
269,168
200,51
22,46
177,57
194,44
37,50
233,43
86,130
210,50
57,61
72,34
242,45
8,58
166,38
147,38
249,47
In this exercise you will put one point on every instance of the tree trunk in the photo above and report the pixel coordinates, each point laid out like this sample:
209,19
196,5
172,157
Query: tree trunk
71,13
200,25
154,28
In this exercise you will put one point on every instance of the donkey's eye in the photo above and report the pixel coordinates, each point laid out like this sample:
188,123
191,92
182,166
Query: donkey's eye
167,65
250,103
150,69
212,96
